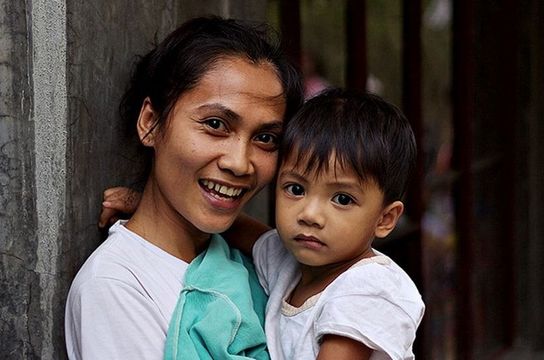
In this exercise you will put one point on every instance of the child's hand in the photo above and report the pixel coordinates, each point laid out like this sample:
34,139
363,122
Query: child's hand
117,201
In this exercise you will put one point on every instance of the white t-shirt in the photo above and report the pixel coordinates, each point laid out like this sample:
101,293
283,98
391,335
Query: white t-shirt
374,302
122,299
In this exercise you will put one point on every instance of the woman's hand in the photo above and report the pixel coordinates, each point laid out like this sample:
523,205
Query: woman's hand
116,202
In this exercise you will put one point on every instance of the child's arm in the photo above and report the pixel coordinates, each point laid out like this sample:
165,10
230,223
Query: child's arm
121,200
115,202
336,347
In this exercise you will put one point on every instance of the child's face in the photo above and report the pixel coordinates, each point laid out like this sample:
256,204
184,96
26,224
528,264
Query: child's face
329,219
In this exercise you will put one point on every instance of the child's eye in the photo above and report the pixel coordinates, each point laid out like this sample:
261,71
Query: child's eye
216,124
295,189
343,199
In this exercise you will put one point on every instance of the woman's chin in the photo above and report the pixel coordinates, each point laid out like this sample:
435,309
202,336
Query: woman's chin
215,226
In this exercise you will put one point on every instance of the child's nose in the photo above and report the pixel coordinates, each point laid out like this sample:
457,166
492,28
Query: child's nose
312,214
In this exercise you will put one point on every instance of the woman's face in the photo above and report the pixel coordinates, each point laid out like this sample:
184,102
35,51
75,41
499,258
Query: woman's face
219,145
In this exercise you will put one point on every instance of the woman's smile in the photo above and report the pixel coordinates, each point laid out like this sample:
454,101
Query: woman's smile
221,190
221,195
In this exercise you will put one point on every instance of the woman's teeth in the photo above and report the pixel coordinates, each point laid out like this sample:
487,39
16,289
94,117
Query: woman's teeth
222,189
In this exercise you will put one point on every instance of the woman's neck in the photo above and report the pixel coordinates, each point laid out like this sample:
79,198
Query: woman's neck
159,223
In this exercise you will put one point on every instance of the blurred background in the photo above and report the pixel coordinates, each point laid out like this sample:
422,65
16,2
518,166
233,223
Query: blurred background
469,75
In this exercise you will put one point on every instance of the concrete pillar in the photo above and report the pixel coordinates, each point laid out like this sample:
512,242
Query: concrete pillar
63,67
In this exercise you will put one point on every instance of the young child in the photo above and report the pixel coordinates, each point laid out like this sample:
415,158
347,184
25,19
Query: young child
345,159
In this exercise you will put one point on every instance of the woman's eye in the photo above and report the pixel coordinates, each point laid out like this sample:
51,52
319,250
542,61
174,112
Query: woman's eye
343,199
267,138
295,189
216,124
267,141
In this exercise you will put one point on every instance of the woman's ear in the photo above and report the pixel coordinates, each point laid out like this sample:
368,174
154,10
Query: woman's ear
389,219
146,123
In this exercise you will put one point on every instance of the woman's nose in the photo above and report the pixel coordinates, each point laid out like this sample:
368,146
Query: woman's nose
312,214
236,158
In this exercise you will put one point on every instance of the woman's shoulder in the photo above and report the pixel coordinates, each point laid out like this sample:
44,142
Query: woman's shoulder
128,260
108,262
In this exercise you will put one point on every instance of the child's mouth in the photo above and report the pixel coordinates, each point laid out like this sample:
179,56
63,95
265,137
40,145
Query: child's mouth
310,242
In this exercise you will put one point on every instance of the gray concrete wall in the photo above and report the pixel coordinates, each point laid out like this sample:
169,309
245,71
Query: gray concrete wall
19,277
63,67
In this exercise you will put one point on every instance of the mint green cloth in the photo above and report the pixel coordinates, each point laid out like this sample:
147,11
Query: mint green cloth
220,311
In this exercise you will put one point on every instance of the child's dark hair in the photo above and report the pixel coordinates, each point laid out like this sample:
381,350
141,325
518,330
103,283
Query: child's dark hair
179,62
364,133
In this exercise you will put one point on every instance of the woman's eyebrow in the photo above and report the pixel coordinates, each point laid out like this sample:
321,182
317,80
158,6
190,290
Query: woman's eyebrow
275,125
272,126
226,112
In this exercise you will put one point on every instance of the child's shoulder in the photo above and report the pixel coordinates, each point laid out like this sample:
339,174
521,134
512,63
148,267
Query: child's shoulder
377,276
374,283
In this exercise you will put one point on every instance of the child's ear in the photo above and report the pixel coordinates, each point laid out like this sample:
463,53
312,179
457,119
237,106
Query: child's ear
389,219
146,123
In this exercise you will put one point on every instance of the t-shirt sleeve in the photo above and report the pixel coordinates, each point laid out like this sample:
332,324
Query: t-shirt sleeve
108,319
382,320
268,256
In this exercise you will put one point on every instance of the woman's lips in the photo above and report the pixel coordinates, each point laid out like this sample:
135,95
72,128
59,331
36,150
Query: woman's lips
221,196
222,189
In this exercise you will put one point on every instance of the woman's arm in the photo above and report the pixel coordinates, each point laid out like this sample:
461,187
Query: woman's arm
244,232
336,347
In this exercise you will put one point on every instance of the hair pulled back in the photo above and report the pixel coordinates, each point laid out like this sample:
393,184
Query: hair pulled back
179,62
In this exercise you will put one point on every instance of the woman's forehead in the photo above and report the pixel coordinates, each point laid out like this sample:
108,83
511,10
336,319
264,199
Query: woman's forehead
239,74
231,77
239,89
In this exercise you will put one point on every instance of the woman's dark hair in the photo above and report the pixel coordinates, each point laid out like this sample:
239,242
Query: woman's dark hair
179,62
362,131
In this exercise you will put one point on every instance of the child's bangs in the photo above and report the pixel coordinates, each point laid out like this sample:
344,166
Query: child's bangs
312,154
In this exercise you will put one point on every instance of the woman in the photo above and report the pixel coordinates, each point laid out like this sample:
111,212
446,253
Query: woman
209,103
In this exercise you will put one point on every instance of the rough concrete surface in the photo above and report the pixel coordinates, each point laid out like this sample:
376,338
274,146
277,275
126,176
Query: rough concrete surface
19,282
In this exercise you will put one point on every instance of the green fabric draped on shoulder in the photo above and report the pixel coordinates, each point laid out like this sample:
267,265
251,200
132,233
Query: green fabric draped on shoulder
220,311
